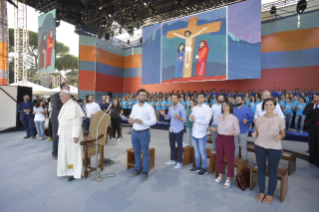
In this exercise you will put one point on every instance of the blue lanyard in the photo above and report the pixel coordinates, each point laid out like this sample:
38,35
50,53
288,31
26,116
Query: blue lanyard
26,104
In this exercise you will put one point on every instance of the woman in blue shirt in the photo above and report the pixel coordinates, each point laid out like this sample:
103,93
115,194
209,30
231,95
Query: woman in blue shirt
300,108
282,101
288,113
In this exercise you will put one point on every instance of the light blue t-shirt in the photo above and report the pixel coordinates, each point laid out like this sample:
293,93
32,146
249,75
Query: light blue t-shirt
252,106
124,105
289,108
301,107
158,105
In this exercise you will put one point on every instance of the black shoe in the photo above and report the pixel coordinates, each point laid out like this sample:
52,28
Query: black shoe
71,179
195,169
202,172
307,151
144,176
25,137
134,173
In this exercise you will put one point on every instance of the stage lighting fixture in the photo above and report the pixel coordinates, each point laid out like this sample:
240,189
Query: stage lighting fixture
112,13
107,37
57,23
176,1
146,2
301,6
273,10
128,42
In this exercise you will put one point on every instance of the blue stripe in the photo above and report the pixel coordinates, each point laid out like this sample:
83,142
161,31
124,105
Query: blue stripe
132,72
286,59
109,70
87,40
110,48
87,66
84,93
307,20
133,51
100,94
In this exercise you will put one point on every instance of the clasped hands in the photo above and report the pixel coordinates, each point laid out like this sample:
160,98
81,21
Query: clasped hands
162,112
26,110
137,121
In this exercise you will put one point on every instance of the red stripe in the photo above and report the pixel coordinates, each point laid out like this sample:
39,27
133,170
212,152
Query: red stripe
87,80
108,83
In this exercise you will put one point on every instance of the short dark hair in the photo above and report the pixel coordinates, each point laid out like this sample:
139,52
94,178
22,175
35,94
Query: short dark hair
90,95
239,96
192,100
26,95
297,89
201,93
141,90
175,94
304,99
231,107
267,100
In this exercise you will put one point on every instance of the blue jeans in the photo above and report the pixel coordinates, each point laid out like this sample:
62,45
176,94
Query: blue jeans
28,124
200,151
173,138
288,119
40,128
274,156
302,122
189,135
141,140
86,123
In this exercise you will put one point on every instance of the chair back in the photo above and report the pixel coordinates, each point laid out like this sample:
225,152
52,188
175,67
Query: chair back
95,118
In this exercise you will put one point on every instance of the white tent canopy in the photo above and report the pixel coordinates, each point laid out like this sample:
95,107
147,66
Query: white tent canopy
36,89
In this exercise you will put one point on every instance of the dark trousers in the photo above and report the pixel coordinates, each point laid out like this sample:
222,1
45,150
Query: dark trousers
313,130
141,141
116,122
28,123
173,138
55,139
50,128
274,156
86,123
225,146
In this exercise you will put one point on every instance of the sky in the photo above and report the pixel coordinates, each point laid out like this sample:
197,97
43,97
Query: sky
64,33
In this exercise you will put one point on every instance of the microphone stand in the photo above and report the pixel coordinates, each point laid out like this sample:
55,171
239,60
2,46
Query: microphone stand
96,178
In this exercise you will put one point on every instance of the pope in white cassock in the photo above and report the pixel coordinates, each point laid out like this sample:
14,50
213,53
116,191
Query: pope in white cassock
70,134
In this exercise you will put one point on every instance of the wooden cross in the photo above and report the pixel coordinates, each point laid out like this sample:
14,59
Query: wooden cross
189,41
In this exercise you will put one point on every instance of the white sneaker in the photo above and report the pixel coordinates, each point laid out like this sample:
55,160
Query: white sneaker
301,131
171,162
118,140
178,166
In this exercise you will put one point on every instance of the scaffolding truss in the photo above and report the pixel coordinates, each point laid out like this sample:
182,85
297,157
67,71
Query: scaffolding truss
20,43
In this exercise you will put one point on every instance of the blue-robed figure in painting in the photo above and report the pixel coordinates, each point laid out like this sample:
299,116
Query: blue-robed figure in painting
179,61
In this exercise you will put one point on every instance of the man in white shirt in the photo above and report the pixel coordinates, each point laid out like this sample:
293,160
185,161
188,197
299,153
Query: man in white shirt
90,108
216,111
260,112
142,117
201,116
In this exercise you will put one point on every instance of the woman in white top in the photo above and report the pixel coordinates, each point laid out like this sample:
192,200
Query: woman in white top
39,110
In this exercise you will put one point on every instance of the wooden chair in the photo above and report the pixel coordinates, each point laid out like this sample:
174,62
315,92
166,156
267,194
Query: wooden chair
188,154
89,142
282,176
239,163
211,161
288,156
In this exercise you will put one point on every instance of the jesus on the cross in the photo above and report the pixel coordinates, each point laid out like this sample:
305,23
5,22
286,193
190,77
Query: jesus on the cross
190,32
188,38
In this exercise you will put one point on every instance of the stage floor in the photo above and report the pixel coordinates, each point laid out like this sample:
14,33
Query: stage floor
28,182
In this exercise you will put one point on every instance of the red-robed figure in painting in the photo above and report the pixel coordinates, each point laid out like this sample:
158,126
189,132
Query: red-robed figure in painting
50,46
201,59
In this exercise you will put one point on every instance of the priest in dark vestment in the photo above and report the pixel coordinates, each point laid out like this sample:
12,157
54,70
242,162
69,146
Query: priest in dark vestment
312,122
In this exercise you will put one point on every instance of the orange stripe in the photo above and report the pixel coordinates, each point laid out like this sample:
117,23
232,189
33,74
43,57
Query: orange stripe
87,53
109,58
133,61
3,56
290,40
3,81
87,80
